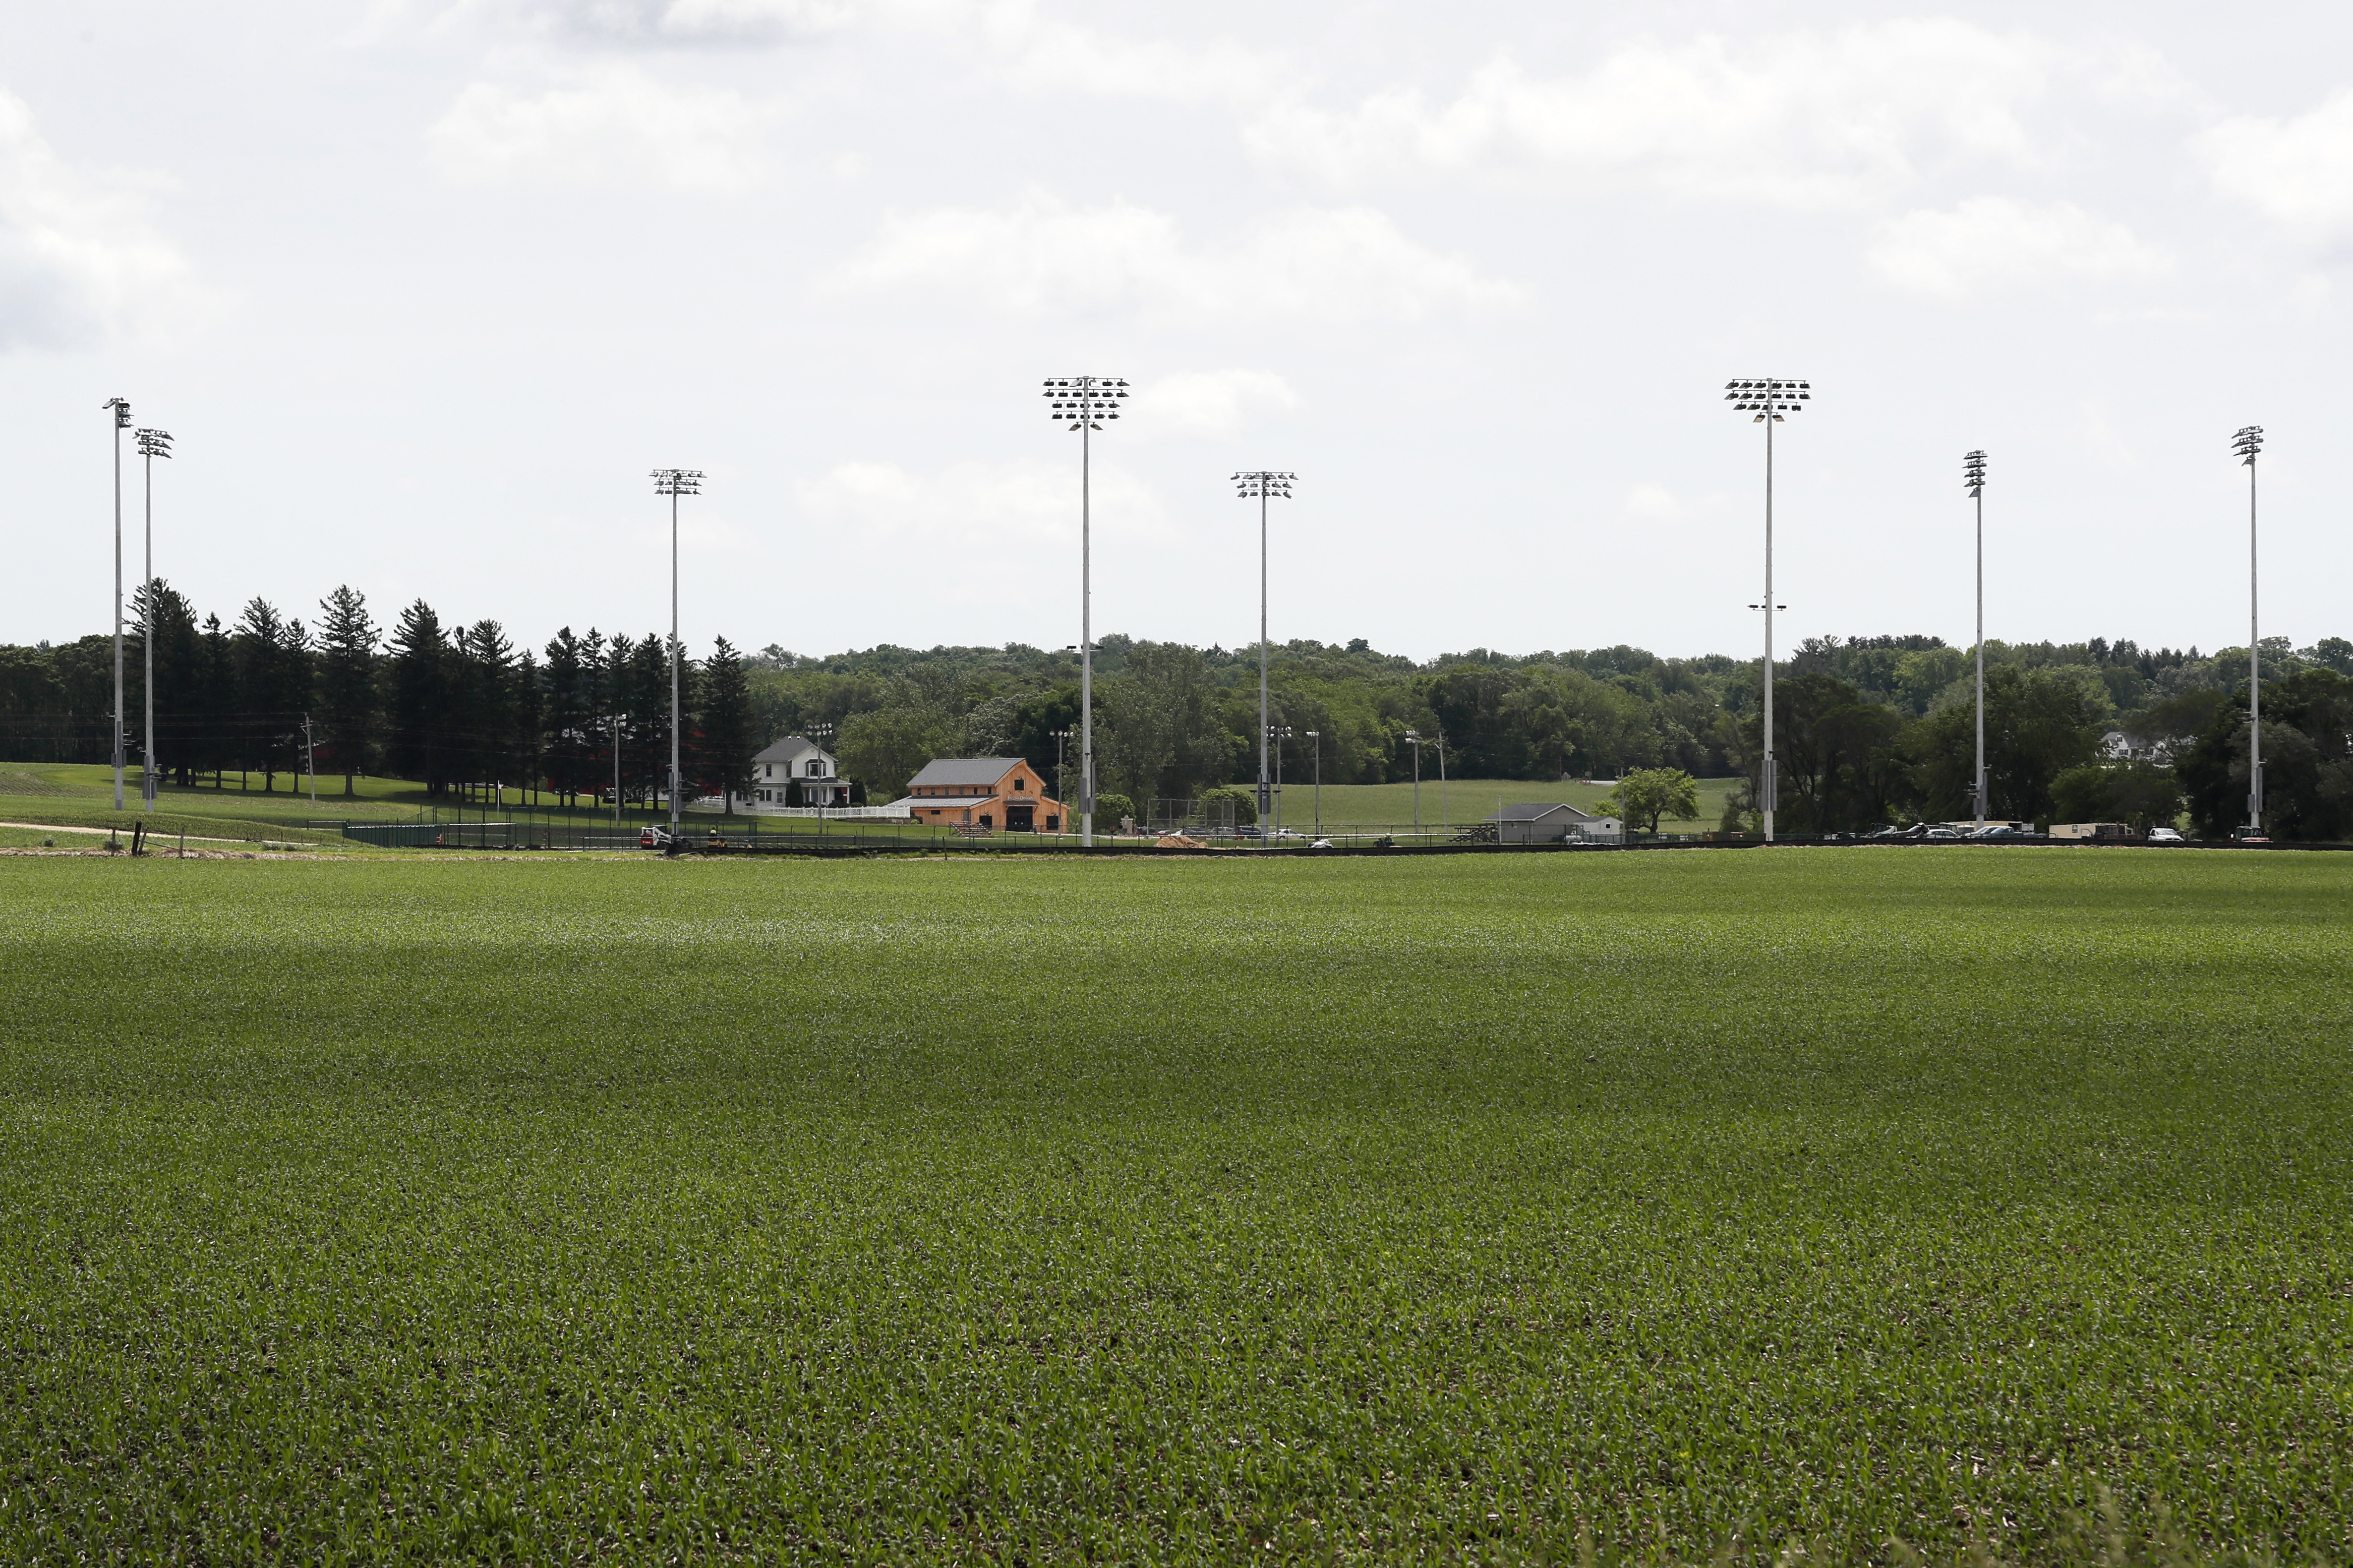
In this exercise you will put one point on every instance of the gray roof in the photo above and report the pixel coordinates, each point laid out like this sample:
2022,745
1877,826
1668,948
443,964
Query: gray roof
790,749
941,802
1533,812
962,773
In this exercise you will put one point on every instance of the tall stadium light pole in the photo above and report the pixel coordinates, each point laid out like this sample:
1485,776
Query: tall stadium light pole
1080,401
1415,736
1261,485
121,423
2248,442
674,483
1973,476
1767,400
154,443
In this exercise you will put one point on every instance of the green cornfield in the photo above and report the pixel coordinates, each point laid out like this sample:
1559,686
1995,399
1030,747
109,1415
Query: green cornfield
1981,1203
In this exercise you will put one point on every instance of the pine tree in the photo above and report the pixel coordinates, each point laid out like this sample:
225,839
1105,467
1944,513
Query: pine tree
525,713
564,718
259,646
177,657
724,745
481,702
216,701
347,681
417,677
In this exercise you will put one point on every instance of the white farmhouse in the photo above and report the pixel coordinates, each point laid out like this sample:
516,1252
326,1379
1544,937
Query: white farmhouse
796,771
1555,823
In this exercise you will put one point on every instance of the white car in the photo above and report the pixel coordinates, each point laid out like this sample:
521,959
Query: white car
2165,835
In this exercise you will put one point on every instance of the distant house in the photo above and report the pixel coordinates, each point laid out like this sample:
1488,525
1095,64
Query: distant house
999,794
796,771
2122,746
1557,823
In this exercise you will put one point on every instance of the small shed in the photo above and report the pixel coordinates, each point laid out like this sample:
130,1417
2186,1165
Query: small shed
1535,823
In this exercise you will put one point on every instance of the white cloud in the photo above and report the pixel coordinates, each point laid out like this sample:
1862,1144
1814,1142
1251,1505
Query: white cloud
1210,403
611,121
1000,533
1803,120
1041,256
2299,172
1042,53
1992,242
76,258
642,21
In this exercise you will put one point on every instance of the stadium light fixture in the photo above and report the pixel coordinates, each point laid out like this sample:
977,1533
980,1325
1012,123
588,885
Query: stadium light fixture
674,483
1080,402
1261,485
2247,444
154,443
1769,400
1973,479
121,411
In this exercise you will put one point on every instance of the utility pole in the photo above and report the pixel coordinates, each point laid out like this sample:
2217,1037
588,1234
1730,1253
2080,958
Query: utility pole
1082,400
1767,400
1279,733
1061,778
2247,443
1415,736
311,760
1973,475
1317,736
121,422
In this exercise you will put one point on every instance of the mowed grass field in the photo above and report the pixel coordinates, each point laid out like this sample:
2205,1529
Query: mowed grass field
1468,800
568,1209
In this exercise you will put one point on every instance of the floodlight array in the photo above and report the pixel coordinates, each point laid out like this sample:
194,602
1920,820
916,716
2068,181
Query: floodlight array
1261,484
1973,471
155,443
2247,443
1080,400
677,481
1768,399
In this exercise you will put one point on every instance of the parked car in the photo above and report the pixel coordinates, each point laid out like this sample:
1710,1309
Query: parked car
1942,832
2249,835
2006,834
2166,836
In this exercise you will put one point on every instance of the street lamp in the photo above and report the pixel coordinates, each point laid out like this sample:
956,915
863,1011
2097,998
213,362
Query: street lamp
153,444
1973,476
1317,736
2246,443
1258,484
121,422
1082,400
674,483
1415,736
1279,733
1767,400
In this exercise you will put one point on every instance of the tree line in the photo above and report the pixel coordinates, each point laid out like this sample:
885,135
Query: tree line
1868,729
460,708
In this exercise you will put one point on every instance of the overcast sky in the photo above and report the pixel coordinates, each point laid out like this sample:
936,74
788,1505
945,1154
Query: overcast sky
424,290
